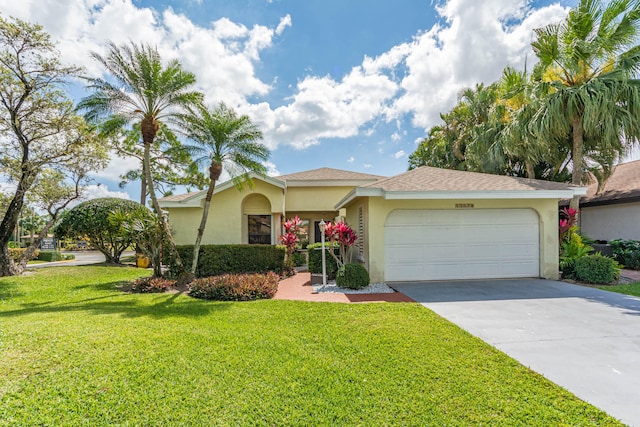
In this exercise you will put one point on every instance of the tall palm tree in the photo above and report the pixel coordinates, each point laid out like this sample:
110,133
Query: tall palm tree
585,78
224,141
143,90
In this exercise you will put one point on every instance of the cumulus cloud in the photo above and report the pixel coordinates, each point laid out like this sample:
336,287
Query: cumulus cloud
99,191
351,159
472,42
399,154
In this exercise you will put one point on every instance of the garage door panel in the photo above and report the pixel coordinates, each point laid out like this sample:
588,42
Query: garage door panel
461,244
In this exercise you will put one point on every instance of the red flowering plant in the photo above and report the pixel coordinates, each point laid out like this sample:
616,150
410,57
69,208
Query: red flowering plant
290,238
345,236
568,224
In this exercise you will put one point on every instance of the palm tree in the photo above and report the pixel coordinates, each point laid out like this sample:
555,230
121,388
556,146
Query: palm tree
585,81
143,91
224,142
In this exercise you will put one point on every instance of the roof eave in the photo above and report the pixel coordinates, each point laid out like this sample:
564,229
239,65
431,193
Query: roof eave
328,182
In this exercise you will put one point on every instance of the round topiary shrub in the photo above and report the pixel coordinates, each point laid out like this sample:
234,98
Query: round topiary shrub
596,269
353,276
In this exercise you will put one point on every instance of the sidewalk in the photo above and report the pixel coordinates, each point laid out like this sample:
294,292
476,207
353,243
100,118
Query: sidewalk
298,288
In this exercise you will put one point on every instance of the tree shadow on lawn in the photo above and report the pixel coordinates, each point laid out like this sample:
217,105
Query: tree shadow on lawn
127,305
9,290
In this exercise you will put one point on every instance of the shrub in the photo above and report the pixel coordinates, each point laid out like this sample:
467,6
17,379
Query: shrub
68,257
17,253
572,249
235,287
299,258
315,259
353,276
627,253
50,256
215,260
596,269
152,284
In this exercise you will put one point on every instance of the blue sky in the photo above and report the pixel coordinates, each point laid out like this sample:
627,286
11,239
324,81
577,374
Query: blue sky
344,84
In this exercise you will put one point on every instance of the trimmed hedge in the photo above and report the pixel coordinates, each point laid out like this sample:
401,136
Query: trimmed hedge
215,260
352,276
315,259
50,256
235,287
596,269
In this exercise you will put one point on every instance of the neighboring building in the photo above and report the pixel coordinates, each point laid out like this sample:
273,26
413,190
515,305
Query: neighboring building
425,224
614,212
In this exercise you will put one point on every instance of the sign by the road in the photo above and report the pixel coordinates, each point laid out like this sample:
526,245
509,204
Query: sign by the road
48,244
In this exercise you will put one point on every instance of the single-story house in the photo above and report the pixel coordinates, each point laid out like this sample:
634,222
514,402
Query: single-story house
425,224
614,212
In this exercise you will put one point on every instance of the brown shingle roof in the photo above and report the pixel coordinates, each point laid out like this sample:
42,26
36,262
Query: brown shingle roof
328,174
427,178
624,183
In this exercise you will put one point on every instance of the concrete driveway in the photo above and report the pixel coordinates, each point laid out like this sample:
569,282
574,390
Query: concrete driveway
583,339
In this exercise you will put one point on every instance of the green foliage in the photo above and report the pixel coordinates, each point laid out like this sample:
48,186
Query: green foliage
17,253
235,287
93,219
353,276
51,256
572,249
215,260
299,258
627,252
315,258
152,285
596,269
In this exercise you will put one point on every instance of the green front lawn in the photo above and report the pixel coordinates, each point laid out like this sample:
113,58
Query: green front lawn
76,351
628,289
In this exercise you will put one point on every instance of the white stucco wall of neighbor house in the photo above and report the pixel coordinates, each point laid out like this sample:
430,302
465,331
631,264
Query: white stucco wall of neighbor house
610,222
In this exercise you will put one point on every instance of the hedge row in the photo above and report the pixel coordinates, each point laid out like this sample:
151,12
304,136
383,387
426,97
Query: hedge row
315,259
216,260
17,253
235,287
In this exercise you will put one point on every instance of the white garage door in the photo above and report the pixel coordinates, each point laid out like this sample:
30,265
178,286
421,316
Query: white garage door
461,244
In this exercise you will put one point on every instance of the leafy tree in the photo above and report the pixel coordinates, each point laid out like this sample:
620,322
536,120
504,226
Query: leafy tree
93,220
32,224
171,164
584,80
224,141
146,92
39,130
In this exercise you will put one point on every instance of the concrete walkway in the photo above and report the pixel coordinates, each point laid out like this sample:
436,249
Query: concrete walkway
583,339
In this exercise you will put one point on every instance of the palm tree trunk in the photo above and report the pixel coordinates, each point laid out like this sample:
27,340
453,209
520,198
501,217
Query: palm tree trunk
203,223
531,172
577,153
164,224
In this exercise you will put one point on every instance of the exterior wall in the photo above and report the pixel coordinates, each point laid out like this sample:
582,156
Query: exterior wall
314,199
610,222
377,209
226,223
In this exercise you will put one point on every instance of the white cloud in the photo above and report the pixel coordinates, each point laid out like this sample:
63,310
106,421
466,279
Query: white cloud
472,42
351,159
284,23
272,169
367,165
399,154
477,40
117,166
98,191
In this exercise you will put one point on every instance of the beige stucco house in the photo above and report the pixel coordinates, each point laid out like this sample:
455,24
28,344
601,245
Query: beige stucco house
425,224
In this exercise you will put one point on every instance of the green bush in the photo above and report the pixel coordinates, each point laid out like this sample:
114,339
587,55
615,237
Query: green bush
215,260
17,253
353,276
315,259
627,253
596,269
50,256
235,287
68,257
571,250
152,284
299,258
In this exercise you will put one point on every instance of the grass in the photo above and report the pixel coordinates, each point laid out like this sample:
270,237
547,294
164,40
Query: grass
628,289
77,351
